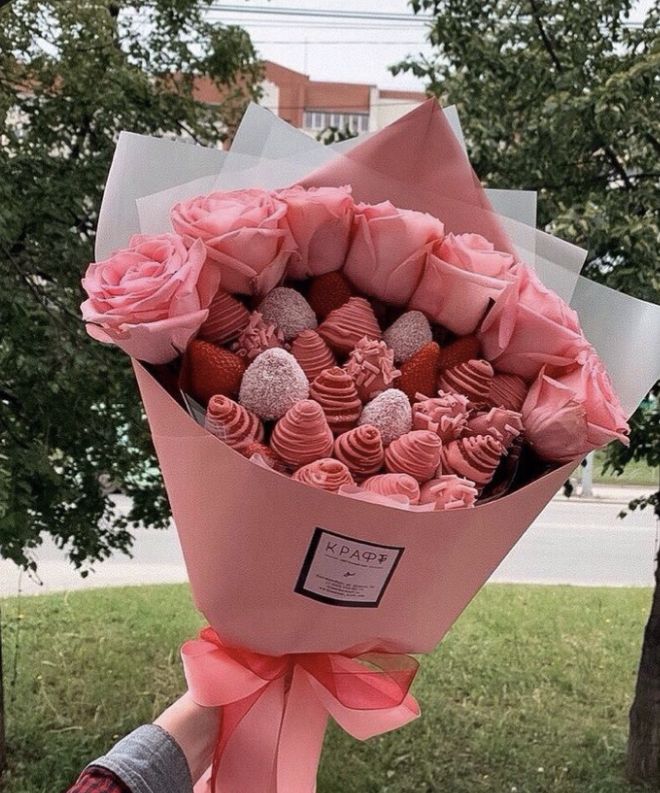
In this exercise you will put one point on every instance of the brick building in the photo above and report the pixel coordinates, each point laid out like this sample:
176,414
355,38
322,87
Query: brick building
313,105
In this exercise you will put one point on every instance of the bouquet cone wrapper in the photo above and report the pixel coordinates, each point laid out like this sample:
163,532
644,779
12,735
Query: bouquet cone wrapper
285,571
267,556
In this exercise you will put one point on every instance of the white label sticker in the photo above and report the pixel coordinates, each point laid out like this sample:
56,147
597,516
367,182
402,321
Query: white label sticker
343,571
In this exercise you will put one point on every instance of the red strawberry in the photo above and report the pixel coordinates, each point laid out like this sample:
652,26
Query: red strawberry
419,373
328,292
209,370
466,348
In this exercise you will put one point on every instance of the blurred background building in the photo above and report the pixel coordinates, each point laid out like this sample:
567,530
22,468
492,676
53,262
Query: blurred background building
314,105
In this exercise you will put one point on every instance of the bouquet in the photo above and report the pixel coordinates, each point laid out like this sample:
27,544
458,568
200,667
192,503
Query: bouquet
360,394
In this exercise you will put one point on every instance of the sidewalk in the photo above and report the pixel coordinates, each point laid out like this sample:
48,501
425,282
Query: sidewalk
575,541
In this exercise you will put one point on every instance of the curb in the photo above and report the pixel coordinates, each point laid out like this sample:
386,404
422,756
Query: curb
593,500
620,498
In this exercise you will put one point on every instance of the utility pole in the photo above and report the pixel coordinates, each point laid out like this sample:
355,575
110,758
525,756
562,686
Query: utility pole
588,476
3,736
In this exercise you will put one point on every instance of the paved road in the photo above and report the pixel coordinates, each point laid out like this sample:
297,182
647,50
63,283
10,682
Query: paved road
584,544
572,542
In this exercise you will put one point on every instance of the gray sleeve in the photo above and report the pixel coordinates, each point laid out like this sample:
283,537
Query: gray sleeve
149,760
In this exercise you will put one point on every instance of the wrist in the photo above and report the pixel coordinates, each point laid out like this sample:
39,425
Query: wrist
195,729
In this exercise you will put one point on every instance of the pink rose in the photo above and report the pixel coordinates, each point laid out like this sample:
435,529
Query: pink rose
555,421
151,298
388,250
244,231
320,222
567,416
475,253
530,327
462,276
535,295
591,383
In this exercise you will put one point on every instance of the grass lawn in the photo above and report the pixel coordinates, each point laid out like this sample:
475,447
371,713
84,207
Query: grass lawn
528,694
636,472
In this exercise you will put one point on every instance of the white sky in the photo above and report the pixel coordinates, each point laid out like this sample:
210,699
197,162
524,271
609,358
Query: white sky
340,50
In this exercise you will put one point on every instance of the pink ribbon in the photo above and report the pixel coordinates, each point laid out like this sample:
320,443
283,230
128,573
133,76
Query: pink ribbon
275,709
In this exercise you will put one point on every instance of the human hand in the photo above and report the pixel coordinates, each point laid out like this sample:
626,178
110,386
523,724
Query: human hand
195,729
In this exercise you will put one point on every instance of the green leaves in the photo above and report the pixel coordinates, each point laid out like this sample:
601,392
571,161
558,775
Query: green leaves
72,75
562,98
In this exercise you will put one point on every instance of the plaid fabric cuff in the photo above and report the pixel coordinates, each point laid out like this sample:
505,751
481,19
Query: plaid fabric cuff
98,780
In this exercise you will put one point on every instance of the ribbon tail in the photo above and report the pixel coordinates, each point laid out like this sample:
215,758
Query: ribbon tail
301,738
363,724
247,761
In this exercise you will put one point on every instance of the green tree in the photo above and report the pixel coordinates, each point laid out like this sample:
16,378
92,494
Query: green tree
562,98
73,74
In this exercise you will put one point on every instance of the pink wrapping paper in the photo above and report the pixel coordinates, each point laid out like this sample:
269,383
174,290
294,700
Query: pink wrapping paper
246,531
418,163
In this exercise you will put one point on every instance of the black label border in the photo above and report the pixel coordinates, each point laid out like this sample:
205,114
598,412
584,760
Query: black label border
299,588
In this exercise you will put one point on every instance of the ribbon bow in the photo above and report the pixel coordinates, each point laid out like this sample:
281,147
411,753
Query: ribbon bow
276,708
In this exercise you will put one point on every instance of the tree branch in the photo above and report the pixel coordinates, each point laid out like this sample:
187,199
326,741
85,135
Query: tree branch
547,43
182,128
655,143
7,396
616,164
9,430
83,132
544,36
45,301
642,176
